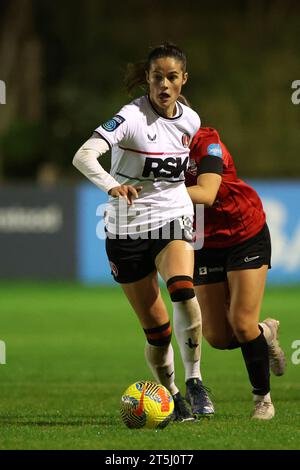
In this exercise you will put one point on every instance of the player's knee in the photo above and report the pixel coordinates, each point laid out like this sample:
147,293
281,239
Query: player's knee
160,335
242,329
181,288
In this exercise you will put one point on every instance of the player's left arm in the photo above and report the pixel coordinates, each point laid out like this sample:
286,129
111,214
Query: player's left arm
209,155
206,190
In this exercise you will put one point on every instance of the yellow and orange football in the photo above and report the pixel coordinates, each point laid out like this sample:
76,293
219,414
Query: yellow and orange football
146,404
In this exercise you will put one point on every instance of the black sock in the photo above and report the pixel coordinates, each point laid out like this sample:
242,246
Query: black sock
256,357
234,343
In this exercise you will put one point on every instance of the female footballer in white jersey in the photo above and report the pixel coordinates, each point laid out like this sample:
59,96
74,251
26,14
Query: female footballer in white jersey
148,220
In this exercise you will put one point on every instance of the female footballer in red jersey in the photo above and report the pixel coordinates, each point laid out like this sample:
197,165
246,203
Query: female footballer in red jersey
231,268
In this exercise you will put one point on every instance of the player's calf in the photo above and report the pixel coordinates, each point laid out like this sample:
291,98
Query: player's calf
187,323
160,355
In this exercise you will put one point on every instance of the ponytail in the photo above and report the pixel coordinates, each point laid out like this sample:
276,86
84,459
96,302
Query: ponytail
182,99
135,76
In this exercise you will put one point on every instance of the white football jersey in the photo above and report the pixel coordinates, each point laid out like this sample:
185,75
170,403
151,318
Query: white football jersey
151,151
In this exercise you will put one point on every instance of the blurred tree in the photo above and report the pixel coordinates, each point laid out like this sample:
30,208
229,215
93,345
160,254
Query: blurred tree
20,119
63,63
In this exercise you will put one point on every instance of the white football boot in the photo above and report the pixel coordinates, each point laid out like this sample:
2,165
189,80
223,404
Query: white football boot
263,407
276,354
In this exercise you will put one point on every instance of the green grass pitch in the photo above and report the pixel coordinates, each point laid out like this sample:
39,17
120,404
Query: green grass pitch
72,350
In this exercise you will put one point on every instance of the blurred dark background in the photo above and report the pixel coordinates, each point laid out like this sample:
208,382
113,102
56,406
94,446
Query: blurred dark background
63,64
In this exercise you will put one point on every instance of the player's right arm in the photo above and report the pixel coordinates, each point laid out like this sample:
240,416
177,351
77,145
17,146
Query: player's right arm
86,161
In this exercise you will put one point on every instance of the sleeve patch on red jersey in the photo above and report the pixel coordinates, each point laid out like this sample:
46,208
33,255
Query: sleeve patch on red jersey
215,150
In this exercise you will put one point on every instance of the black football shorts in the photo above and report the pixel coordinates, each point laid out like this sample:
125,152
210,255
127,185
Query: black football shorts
213,264
132,259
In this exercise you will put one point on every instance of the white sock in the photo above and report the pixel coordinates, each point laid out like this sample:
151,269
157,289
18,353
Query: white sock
161,362
188,332
266,397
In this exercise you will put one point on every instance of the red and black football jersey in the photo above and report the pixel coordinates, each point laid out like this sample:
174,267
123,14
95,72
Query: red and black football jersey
237,213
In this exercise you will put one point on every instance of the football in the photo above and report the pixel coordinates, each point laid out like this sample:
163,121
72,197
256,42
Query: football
146,404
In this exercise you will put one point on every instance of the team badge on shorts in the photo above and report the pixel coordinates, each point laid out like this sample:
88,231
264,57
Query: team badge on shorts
185,139
114,269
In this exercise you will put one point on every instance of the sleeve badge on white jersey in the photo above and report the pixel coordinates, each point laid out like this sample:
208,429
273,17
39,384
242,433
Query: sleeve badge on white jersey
113,123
